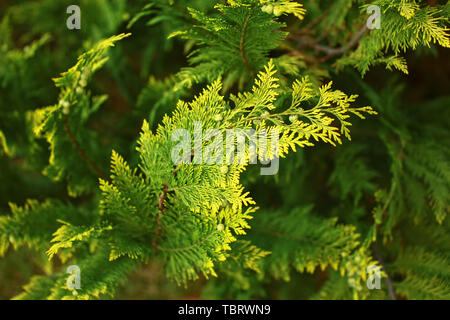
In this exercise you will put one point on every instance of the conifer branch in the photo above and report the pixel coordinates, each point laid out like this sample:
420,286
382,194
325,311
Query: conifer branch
194,216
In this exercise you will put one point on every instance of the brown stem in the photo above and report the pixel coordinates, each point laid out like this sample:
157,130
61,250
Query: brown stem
319,18
375,244
388,280
161,208
80,150
242,42
330,51
389,199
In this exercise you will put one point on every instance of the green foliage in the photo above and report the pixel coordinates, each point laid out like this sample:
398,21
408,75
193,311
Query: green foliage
351,193
405,25
62,124
34,224
200,207
17,66
225,46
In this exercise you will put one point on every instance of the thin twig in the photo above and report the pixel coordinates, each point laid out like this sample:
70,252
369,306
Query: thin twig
319,18
242,42
80,150
161,208
388,280
375,244
332,52
389,199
